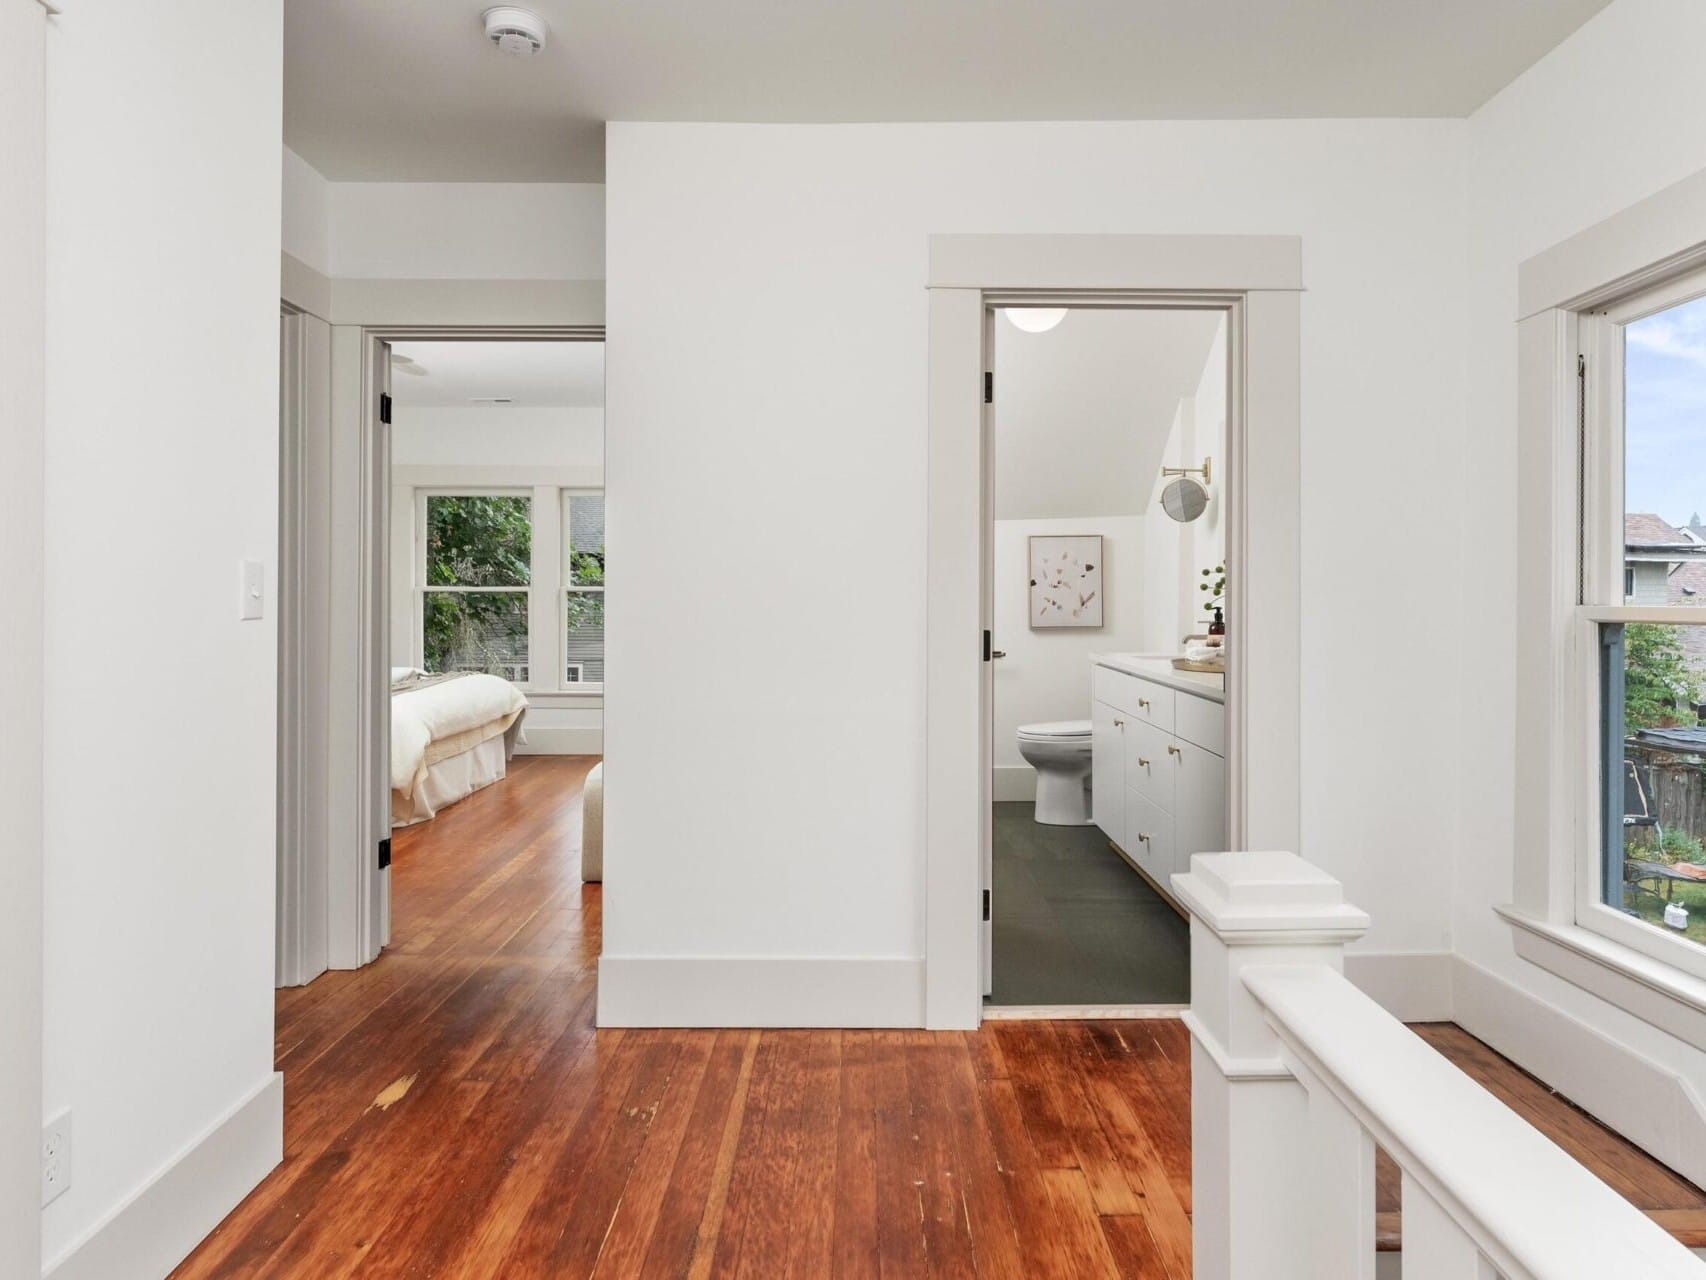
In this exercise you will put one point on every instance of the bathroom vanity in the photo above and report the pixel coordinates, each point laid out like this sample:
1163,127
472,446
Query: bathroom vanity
1157,761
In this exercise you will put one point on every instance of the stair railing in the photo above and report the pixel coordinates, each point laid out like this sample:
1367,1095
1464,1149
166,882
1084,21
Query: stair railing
1296,1076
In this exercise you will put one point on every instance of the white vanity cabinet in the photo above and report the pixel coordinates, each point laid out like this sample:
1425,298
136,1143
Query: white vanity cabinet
1158,762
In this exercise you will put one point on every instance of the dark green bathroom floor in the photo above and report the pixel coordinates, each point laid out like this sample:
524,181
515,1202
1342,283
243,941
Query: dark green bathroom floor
1075,925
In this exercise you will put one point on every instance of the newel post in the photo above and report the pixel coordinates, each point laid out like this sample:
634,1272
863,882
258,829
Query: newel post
1249,1131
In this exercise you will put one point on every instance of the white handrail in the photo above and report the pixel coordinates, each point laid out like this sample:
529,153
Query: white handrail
1296,1076
1528,1206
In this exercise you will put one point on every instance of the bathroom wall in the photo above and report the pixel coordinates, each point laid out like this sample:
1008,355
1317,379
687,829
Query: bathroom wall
1176,554
1046,673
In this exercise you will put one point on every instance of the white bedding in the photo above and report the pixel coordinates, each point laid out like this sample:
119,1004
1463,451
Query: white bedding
430,723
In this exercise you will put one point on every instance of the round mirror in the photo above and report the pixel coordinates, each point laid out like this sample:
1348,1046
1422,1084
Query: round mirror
1184,499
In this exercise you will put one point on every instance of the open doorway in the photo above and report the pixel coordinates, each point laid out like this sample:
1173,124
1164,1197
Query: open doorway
442,571
1105,564
495,619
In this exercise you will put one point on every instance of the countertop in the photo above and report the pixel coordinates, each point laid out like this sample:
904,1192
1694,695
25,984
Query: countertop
1159,668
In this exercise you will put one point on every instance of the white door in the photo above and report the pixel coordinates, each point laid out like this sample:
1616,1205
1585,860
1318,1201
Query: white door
378,636
991,647
1200,807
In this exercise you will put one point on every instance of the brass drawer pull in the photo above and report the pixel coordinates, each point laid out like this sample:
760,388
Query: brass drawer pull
1142,838
1143,761
1143,702
1119,724
1173,751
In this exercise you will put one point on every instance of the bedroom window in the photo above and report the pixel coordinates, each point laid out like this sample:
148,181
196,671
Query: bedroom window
1643,582
478,554
582,609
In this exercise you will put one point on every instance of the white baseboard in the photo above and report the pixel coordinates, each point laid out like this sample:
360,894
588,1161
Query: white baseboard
1413,986
155,1228
560,740
1013,782
1646,1102
759,991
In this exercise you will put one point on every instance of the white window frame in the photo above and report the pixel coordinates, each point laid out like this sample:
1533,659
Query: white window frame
566,588
421,587
546,591
1601,339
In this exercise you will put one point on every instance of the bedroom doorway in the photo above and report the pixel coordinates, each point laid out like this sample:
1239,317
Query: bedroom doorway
442,549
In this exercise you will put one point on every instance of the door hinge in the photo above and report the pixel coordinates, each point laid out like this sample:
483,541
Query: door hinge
385,853
986,904
988,387
986,644
385,407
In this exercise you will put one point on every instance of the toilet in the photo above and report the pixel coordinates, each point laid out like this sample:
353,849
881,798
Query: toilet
1060,753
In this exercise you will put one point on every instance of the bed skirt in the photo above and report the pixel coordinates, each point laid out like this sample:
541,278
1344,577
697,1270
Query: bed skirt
450,779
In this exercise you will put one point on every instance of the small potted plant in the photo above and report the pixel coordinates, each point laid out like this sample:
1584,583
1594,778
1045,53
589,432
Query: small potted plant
1214,584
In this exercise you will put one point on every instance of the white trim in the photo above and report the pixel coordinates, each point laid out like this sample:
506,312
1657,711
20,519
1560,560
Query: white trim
1082,1012
588,697
156,1226
304,288
1647,1102
1013,782
1255,279
23,314
1638,983
1658,237
759,991
560,740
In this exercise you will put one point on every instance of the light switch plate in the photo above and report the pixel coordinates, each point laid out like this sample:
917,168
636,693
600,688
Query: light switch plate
254,590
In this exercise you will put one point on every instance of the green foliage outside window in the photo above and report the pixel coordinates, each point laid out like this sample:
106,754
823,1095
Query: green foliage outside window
478,542
1658,686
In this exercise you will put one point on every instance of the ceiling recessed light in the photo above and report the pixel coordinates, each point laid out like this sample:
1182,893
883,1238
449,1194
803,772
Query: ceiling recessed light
1035,319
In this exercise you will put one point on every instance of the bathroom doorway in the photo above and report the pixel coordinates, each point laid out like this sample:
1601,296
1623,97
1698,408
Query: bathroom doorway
1105,590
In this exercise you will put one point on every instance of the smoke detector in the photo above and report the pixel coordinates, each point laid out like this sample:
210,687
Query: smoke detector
518,32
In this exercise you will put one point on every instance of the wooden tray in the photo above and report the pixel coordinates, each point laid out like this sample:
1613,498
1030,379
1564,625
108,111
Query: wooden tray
1186,664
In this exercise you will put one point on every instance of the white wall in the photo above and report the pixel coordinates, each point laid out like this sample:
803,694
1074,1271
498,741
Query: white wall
307,217
1046,673
442,230
514,436
162,465
1614,114
788,440
1176,554
467,230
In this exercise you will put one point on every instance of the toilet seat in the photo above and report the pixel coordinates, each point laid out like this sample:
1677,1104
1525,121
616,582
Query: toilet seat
1054,731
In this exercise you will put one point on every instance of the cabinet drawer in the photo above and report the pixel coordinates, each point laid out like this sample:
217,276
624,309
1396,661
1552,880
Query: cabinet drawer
1139,699
1149,838
1202,722
1149,768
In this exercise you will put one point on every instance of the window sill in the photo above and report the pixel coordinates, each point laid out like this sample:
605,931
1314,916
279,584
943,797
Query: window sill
1655,992
562,697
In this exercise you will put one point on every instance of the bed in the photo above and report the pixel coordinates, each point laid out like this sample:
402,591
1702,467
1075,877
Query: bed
451,735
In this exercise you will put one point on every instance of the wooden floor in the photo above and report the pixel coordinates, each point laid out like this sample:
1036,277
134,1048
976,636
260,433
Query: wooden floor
451,1111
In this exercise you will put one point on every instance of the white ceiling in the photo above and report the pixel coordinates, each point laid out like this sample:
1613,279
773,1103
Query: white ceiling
533,374
1083,411
408,90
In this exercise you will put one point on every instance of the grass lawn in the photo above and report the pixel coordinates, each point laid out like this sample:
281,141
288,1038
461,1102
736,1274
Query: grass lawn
1651,907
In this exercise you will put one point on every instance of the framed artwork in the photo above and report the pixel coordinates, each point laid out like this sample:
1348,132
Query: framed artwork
1066,580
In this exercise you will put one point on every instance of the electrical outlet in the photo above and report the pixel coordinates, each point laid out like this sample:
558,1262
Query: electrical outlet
55,1157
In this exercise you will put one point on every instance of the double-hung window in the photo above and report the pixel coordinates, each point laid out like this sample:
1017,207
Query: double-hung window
475,574
583,587
1641,629
510,582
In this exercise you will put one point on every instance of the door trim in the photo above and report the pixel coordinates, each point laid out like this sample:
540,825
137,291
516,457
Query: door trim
1257,280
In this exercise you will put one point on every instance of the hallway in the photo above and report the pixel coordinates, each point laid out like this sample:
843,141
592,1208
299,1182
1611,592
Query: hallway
450,1110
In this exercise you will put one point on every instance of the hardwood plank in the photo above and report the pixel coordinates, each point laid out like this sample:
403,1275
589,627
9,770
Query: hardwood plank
451,1110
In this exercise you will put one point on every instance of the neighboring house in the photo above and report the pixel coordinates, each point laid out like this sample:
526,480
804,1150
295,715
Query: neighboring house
1653,550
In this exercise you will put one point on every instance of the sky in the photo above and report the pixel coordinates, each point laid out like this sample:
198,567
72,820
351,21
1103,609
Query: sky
1664,385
